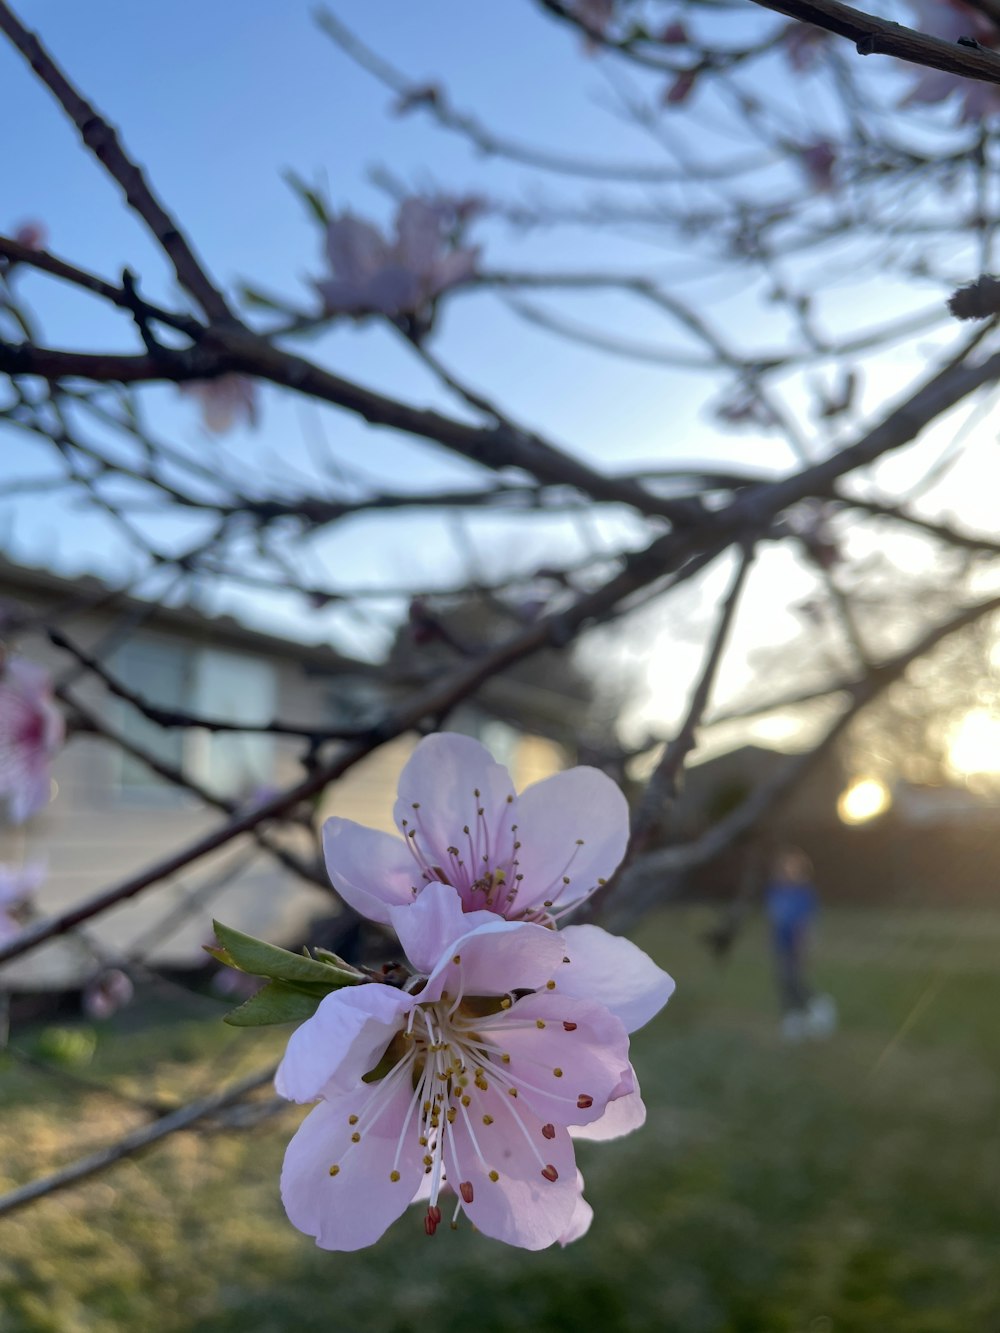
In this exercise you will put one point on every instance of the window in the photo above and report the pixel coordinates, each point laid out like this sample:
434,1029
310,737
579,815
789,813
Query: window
206,682
232,688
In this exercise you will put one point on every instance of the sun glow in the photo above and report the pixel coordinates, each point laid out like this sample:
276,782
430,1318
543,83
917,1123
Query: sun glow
975,744
864,799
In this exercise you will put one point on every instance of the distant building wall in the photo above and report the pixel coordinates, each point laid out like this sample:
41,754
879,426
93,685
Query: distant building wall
109,818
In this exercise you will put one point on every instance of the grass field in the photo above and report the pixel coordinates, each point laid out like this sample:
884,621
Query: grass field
852,1187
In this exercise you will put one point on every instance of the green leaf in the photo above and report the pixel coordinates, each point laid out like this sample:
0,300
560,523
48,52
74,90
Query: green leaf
273,1003
333,959
267,960
313,200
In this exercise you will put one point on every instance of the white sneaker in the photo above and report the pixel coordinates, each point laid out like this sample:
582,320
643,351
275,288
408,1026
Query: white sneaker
821,1016
795,1025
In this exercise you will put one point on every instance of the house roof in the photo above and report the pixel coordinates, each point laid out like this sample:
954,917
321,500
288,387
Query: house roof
87,593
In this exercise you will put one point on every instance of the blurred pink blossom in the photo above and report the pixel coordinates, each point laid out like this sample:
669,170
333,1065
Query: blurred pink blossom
951,20
818,161
594,16
802,44
32,234
31,732
370,275
224,402
107,993
675,34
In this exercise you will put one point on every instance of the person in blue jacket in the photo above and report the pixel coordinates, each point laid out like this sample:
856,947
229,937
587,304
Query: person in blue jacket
792,906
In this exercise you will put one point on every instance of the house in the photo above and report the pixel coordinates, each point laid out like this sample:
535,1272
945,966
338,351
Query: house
922,846
110,815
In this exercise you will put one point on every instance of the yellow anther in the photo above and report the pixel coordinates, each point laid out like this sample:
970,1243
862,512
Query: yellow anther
505,1003
428,1160
512,1092
494,1176
334,1170
550,985
487,1120
466,1101
355,1137
352,1119
557,1072
393,1176
457,959
505,1058
539,1022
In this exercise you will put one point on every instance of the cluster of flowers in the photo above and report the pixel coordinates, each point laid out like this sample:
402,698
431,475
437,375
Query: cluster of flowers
462,1080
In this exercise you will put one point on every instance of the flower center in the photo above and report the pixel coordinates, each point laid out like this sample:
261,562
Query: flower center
464,1103
482,864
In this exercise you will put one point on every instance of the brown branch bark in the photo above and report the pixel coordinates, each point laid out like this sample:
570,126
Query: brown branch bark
876,36
101,139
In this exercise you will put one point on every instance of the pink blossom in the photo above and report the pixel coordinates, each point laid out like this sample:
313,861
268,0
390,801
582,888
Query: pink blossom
818,161
32,234
532,856
593,15
470,1077
17,884
370,275
224,402
31,732
674,34
950,20
107,993
802,43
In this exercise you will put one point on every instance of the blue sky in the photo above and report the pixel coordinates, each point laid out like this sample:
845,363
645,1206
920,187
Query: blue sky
217,101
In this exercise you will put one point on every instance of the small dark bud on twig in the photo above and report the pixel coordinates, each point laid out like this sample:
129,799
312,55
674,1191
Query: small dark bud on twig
977,300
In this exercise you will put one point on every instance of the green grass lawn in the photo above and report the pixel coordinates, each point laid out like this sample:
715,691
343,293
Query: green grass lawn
849,1187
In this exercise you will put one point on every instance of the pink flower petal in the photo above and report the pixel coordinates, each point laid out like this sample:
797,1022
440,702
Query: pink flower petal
522,1206
616,973
394,291
573,826
622,1116
20,882
580,1222
450,827
371,871
566,1055
450,269
31,732
418,232
354,248
430,927
352,1207
344,1039
497,958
